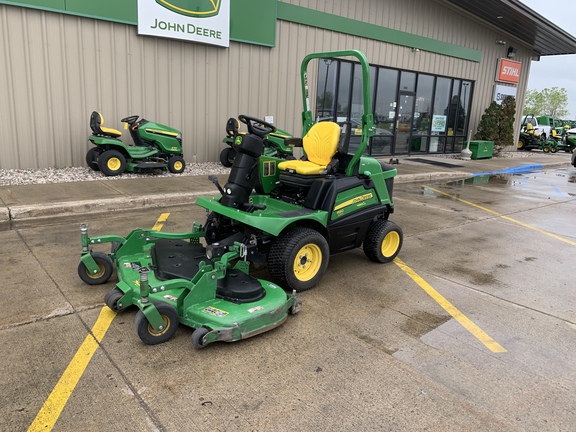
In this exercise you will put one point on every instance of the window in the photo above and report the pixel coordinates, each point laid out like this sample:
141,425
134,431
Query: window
413,112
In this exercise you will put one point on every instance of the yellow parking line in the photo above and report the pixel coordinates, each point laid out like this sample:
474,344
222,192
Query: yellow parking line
482,336
541,231
50,411
53,406
161,221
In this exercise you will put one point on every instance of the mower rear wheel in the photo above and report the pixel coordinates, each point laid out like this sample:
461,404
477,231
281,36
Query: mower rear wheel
176,164
298,258
91,157
111,299
105,269
227,157
521,143
153,337
198,336
553,149
112,163
383,241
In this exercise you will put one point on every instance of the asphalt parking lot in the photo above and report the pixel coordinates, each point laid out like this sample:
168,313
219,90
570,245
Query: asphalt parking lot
472,328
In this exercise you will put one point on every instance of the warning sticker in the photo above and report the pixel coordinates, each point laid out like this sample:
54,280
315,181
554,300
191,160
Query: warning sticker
170,297
255,309
214,311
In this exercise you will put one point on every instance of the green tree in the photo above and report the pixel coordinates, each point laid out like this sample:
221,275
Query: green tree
506,122
488,126
497,124
550,101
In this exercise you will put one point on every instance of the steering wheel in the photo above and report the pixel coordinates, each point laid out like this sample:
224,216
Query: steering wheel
130,120
256,126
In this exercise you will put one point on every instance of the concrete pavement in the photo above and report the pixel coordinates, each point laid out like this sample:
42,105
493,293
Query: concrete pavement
24,202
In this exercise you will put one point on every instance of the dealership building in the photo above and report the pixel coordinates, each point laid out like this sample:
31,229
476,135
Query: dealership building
436,65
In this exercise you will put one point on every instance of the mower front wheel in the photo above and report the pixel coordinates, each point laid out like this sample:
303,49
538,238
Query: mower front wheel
112,163
105,269
112,298
176,164
298,258
153,337
198,337
383,241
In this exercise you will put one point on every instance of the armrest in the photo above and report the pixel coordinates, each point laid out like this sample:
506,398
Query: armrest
294,142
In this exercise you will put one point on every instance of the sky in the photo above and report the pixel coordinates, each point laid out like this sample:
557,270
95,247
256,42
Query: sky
555,71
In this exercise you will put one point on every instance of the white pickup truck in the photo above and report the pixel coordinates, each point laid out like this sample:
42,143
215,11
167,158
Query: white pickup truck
540,128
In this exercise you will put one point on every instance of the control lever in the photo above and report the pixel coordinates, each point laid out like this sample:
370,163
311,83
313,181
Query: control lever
214,180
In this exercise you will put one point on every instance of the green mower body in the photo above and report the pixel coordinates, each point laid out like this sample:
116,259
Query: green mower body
155,146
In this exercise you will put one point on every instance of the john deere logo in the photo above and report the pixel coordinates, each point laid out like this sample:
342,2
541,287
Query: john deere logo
192,8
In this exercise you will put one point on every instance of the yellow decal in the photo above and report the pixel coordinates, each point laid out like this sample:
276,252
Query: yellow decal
354,201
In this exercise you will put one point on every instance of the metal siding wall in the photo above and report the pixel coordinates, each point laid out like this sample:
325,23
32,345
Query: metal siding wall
63,67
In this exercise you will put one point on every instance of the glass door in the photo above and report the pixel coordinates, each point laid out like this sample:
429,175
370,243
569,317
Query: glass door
404,122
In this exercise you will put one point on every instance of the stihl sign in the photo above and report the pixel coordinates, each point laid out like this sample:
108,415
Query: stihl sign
509,71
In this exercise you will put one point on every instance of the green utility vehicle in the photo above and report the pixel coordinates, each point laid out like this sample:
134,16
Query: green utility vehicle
290,214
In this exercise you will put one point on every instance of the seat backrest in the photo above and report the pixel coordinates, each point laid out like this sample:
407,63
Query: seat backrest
97,126
96,120
530,128
321,142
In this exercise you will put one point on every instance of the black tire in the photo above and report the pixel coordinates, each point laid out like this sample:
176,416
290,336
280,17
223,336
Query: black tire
298,258
227,157
546,149
111,299
105,266
147,333
91,157
197,336
176,164
383,241
522,143
553,149
112,163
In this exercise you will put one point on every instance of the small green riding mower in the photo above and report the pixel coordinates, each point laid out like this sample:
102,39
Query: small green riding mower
274,144
568,140
156,146
290,214
530,139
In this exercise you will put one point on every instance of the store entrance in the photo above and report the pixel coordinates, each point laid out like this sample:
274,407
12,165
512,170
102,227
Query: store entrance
404,122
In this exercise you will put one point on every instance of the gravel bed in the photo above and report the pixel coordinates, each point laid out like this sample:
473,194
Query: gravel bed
12,177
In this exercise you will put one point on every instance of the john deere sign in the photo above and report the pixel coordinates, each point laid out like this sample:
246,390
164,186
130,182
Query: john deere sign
204,21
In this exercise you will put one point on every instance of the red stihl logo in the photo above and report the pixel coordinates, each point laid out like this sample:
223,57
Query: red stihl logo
509,71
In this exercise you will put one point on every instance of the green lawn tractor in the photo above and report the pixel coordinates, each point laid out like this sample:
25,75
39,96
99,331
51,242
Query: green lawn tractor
568,140
530,139
156,146
274,144
290,214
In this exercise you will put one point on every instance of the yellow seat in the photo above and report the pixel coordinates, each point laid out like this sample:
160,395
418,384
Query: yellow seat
320,145
97,126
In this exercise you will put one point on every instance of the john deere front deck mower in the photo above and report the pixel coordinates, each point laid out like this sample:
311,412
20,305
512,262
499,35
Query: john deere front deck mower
290,214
